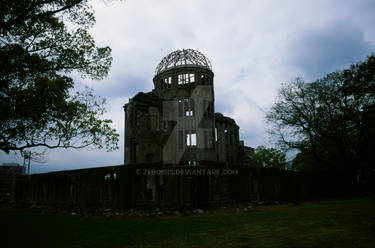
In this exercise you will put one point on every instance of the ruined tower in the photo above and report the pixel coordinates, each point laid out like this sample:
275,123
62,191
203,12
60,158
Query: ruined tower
175,122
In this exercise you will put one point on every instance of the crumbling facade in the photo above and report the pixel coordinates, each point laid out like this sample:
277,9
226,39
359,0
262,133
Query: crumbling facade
176,122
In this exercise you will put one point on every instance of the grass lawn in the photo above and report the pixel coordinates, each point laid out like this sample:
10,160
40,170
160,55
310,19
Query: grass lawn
330,223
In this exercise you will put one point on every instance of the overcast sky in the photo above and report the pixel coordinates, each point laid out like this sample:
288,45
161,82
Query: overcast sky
254,47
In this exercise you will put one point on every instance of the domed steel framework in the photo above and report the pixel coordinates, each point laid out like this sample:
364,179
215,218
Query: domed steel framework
184,57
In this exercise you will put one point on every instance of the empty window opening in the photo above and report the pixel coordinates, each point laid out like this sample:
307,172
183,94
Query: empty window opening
189,107
205,80
207,108
185,78
191,78
191,138
186,107
167,82
181,79
192,163
148,184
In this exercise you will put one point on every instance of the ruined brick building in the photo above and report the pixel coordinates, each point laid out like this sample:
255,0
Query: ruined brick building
176,122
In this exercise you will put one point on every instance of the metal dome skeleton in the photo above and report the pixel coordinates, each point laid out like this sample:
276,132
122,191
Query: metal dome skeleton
184,57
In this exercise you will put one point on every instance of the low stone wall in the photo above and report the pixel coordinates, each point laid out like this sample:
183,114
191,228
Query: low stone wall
130,187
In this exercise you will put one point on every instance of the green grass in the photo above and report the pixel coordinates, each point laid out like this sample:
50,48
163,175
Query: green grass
331,223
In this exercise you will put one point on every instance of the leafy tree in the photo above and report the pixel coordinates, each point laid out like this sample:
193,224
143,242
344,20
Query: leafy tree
331,119
269,157
41,43
305,160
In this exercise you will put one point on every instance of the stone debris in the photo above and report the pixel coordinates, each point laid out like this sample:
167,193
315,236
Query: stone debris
251,208
149,213
198,211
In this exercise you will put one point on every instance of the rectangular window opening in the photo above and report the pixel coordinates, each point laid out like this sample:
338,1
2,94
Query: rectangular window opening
190,138
193,139
203,80
186,78
181,79
192,163
191,78
207,108
189,107
167,82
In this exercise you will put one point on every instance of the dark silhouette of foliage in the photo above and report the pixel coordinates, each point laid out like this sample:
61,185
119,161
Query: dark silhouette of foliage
41,44
268,157
331,120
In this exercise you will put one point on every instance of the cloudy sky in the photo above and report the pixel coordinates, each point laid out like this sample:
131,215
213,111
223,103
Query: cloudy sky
254,47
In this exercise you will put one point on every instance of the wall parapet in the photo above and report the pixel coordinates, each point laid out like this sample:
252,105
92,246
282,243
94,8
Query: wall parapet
143,186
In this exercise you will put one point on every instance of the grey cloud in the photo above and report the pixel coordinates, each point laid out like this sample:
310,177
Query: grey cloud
124,85
254,136
223,105
319,51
